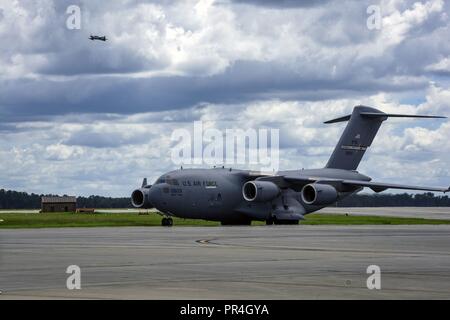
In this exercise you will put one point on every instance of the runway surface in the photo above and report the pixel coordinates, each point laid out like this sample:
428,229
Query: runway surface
267,262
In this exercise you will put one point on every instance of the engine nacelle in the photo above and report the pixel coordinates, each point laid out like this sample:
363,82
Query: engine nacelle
260,191
140,199
319,194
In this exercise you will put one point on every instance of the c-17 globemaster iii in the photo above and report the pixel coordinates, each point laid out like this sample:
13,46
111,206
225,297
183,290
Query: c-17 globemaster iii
239,196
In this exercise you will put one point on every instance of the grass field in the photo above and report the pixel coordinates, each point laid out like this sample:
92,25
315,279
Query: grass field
58,220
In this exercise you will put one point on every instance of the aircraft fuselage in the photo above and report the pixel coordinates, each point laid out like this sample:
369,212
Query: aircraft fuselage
216,194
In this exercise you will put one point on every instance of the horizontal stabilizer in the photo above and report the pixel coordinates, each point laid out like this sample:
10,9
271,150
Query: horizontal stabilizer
341,119
382,115
391,115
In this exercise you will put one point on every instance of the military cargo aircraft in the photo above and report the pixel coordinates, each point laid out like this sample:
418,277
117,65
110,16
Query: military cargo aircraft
239,196
93,38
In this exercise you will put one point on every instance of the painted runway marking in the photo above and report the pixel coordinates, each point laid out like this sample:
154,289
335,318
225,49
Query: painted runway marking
205,241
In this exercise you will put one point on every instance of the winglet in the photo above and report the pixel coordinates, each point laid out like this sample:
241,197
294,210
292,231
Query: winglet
144,182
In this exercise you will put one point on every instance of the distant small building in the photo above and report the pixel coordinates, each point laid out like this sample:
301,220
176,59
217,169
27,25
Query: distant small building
59,204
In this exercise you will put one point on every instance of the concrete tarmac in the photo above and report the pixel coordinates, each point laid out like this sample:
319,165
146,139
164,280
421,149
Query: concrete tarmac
263,262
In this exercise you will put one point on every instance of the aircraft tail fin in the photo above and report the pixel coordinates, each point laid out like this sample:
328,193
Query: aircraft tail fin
362,127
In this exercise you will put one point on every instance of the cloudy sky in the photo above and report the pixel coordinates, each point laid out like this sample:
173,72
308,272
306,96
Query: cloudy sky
82,117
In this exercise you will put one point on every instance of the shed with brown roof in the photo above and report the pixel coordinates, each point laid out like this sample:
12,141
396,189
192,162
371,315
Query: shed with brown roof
59,204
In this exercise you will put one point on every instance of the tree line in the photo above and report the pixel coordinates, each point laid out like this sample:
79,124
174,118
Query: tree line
22,200
427,199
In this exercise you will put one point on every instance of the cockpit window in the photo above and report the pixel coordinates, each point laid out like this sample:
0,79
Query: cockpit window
172,182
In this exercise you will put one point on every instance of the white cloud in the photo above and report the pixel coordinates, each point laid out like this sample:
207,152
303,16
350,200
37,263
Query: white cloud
49,154
441,66
62,152
437,101
85,117
397,24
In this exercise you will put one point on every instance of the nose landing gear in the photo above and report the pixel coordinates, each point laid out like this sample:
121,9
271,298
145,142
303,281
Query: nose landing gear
167,222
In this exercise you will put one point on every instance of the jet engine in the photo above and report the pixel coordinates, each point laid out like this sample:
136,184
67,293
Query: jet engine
140,198
260,191
319,194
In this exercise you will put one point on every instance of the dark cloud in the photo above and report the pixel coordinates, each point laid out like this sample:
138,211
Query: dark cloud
244,81
444,74
308,77
7,128
98,59
105,139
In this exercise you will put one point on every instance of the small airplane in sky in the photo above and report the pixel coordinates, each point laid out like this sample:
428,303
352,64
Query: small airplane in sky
93,38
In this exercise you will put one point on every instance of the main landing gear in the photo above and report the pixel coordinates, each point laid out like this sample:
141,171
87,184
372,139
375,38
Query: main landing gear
167,222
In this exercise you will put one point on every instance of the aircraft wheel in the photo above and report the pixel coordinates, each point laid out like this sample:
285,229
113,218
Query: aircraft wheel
269,222
167,222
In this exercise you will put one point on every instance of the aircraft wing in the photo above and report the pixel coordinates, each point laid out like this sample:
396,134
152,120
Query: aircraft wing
378,186
283,181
